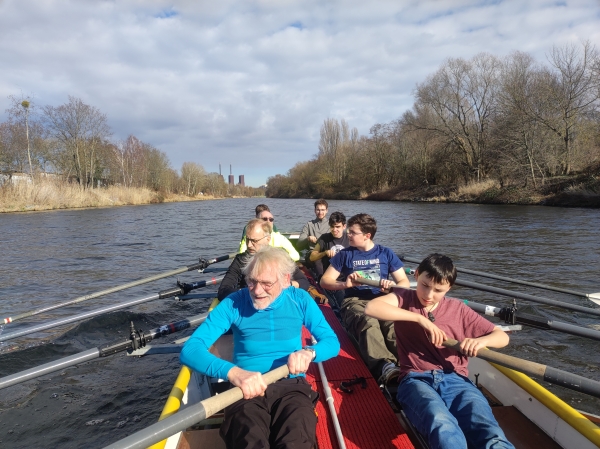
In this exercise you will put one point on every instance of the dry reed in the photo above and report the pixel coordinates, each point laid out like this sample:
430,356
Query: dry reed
474,189
53,194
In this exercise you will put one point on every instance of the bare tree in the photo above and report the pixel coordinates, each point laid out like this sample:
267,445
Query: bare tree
79,130
518,137
192,175
129,162
12,143
23,126
462,97
573,93
158,169
214,184
329,146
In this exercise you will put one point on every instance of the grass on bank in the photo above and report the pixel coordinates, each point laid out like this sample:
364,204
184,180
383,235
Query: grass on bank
52,194
580,190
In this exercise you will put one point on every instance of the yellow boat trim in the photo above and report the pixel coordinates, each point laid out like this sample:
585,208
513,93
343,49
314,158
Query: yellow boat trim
567,413
214,304
174,400
173,403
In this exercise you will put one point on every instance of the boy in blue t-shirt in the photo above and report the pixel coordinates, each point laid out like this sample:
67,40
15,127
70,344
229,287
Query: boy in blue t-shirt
364,258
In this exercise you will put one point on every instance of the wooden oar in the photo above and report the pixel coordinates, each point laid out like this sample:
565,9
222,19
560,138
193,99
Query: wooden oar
190,416
92,313
135,341
595,297
545,372
198,266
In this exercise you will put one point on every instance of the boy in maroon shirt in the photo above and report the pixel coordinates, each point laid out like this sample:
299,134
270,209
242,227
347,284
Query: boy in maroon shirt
434,391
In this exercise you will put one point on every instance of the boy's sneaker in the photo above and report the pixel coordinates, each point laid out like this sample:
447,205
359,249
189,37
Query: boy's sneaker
389,372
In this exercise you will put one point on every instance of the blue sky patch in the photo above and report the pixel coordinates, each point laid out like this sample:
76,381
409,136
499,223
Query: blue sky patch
166,14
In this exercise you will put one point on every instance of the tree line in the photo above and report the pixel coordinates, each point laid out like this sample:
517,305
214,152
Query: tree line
73,142
511,119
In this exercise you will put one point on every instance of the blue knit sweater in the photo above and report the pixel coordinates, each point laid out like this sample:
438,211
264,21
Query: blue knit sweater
263,339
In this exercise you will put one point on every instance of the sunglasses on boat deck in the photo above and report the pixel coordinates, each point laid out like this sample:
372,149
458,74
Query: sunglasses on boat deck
271,219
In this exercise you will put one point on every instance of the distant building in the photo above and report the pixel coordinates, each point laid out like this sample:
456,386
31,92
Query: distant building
242,183
15,178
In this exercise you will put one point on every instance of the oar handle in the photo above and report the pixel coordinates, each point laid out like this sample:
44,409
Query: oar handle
524,366
219,402
370,282
189,416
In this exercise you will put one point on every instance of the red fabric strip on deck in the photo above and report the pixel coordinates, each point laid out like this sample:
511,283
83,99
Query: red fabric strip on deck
366,419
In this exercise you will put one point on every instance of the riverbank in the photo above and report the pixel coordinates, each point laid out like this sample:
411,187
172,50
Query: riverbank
572,191
51,195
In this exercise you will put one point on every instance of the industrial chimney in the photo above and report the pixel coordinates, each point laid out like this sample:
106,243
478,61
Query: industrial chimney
231,178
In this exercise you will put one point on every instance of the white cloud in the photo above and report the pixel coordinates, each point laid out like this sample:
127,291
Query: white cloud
249,83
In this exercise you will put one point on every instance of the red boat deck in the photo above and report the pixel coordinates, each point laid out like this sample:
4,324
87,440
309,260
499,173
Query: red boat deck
366,419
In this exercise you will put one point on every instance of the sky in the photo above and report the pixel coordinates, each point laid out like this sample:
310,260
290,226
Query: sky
249,83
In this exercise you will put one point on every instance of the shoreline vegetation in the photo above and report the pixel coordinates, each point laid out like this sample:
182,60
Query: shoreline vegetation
54,195
568,191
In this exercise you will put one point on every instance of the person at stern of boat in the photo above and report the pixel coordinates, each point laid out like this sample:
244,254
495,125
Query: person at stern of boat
434,390
315,228
266,319
364,258
258,235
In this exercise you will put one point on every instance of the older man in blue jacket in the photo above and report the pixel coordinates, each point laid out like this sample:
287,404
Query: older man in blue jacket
266,319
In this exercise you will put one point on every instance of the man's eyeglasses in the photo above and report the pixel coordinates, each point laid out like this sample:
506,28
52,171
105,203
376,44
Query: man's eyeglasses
252,283
254,241
271,219
352,233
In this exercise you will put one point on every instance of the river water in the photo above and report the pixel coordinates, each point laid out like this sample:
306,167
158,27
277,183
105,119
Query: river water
51,257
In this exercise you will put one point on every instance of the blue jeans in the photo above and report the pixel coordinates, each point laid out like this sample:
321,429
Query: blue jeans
450,411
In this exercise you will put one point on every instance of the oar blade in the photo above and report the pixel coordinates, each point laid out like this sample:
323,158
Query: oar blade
595,297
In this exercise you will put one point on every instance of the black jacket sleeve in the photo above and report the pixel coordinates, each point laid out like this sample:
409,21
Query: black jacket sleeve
233,278
300,278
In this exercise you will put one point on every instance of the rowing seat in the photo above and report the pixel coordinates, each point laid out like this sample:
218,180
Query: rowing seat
366,419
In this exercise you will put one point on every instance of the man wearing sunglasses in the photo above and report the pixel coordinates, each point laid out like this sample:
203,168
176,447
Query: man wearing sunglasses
258,235
364,258
266,319
258,213
277,239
